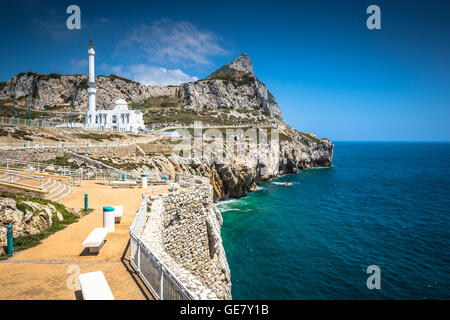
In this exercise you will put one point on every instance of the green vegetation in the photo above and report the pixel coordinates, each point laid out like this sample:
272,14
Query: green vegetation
165,109
21,111
62,161
98,136
28,241
57,108
310,137
156,102
3,133
224,69
115,77
237,78
21,135
128,165
282,136
24,207
49,76
189,116
83,85
41,76
28,74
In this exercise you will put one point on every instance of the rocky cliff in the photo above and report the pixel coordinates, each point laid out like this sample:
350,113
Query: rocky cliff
57,89
232,92
233,87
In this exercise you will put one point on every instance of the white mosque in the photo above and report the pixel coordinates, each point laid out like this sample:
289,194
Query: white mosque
117,119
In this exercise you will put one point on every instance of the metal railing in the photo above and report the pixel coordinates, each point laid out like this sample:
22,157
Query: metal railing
22,179
76,175
36,144
161,282
19,164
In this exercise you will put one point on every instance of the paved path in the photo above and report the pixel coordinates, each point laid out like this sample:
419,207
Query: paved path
42,272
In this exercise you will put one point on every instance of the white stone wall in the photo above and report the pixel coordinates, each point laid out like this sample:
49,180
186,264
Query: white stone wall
183,232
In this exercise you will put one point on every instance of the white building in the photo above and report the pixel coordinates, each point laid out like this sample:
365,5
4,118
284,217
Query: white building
118,119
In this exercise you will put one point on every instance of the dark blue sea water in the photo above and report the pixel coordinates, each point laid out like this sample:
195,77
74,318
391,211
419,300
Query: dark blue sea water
386,204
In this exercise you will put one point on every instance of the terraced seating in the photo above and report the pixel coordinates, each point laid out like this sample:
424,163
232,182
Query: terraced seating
57,190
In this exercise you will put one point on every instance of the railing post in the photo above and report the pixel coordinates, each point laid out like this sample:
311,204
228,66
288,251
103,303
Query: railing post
42,183
138,256
161,285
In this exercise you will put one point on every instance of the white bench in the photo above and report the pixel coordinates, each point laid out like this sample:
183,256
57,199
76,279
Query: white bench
95,240
124,184
118,212
94,286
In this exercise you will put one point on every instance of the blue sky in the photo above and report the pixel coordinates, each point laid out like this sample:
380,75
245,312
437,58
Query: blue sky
330,74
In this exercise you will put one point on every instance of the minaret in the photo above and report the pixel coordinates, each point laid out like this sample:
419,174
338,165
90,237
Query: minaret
91,90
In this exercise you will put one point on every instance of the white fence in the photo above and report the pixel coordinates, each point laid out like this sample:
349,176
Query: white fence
35,144
160,281
22,179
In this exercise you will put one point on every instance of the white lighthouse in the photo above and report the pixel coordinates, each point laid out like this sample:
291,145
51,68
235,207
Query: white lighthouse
117,119
91,90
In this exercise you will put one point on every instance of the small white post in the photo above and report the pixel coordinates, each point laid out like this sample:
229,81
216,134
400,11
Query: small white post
144,183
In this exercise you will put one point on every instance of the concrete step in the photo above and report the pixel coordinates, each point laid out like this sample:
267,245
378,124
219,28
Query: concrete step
67,191
60,193
49,184
55,187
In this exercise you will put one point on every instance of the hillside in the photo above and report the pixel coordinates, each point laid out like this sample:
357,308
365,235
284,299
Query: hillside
230,95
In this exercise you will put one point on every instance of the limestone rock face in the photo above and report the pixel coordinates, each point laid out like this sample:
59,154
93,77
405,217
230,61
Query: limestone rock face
233,86
242,63
61,89
32,220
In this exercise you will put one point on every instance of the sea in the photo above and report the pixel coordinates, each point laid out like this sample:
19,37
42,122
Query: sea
383,204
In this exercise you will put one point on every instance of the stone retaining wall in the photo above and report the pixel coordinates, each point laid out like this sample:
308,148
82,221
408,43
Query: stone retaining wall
183,232
38,154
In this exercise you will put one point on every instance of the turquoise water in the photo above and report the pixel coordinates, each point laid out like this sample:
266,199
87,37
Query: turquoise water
386,204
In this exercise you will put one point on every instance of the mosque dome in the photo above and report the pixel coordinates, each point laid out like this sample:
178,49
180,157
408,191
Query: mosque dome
120,105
